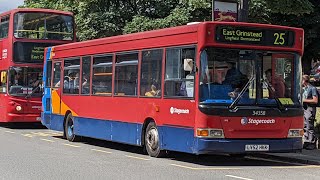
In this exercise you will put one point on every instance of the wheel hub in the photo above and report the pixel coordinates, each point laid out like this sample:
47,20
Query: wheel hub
153,138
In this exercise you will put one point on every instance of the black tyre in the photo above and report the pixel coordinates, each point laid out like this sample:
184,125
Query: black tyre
152,141
69,129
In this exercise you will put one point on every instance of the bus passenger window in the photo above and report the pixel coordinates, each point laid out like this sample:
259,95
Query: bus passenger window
151,68
126,74
102,75
71,76
179,76
85,81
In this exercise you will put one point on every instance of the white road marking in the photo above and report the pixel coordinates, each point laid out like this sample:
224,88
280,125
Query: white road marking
193,168
238,177
295,167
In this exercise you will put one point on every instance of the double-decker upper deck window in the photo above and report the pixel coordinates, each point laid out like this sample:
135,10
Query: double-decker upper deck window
4,27
126,74
43,26
179,76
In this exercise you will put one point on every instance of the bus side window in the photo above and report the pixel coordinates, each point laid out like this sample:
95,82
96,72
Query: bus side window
151,68
102,75
126,74
85,78
179,76
71,76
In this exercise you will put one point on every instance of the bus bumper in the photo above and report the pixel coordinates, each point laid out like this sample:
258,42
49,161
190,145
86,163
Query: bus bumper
237,146
23,117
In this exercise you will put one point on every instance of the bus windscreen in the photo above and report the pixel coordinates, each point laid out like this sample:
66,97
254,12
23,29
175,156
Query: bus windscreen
254,36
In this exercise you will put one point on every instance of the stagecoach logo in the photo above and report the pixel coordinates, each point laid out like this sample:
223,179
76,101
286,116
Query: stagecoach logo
178,111
245,121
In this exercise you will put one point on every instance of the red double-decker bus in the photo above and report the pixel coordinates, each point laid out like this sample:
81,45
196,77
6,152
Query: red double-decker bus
24,33
212,87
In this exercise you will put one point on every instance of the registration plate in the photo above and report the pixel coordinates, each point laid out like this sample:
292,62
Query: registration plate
257,147
38,118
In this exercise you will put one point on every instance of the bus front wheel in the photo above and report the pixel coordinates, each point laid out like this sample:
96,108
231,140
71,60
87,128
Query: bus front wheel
152,141
69,128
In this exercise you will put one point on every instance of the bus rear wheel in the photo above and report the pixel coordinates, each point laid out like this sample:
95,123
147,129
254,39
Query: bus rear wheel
152,141
69,129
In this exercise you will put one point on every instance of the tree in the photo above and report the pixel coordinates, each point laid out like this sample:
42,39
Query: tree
101,18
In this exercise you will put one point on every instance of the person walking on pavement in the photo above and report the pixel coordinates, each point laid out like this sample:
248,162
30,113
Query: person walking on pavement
310,99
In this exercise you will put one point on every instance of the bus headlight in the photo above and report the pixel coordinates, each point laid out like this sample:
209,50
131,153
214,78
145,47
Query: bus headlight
210,133
18,108
295,133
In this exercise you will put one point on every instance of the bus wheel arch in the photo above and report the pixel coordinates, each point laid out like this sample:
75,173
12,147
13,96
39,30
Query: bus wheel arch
151,139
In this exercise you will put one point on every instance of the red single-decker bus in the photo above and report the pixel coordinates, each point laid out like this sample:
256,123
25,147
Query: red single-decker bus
211,87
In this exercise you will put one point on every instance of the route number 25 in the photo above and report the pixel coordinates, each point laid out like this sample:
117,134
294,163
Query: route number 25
279,38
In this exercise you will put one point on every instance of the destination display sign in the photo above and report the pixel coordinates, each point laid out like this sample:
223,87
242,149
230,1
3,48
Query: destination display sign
254,36
27,52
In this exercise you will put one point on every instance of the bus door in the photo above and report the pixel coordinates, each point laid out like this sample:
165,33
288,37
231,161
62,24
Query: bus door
283,70
56,88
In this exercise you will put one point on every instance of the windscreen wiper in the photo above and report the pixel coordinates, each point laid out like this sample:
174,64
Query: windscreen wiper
233,105
32,92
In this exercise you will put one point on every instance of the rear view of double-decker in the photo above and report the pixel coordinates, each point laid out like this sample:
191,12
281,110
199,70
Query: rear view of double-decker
24,33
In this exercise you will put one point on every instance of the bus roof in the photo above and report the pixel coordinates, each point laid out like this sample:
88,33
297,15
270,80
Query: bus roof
36,10
185,29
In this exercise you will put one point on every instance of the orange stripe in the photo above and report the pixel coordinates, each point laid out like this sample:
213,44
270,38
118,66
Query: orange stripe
56,105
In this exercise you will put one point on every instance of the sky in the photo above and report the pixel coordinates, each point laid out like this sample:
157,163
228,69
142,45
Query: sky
6,5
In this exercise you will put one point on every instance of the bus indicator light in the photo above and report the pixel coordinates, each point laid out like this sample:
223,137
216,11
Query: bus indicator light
202,132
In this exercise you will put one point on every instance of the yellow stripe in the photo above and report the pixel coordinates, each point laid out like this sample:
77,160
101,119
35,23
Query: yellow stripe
137,158
9,132
71,145
27,135
97,150
48,140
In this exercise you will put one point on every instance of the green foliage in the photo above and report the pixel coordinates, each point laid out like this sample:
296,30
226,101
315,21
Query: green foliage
101,18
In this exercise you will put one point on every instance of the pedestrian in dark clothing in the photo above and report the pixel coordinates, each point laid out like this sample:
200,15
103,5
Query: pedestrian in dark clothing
310,99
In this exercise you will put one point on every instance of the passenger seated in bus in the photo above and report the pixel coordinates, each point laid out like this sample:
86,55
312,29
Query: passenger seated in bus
232,75
153,92
276,85
85,84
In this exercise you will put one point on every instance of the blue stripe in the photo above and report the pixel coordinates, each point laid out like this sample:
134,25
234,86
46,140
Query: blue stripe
171,138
